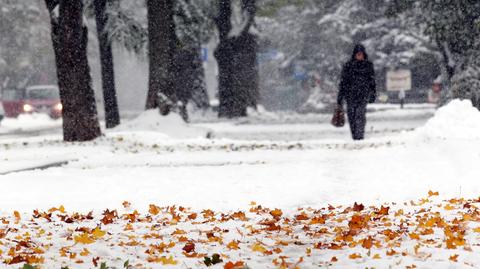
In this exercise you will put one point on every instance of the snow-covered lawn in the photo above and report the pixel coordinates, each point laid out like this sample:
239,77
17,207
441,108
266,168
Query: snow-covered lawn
143,162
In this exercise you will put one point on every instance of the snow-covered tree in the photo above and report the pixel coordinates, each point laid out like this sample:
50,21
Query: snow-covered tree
25,53
127,26
321,34
454,27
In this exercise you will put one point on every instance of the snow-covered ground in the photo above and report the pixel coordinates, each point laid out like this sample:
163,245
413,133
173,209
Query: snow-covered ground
31,124
166,162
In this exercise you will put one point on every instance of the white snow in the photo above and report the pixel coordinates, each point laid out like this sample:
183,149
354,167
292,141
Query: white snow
163,161
458,120
171,126
28,122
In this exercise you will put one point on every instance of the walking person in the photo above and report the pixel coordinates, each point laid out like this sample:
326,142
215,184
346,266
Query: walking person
357,88
401,97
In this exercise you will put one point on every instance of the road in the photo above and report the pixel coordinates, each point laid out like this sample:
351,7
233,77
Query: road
383,121
282,126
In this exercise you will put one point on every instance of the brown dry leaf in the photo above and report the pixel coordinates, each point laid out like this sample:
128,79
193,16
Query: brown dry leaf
233,245
236,265
431,193
154,210
367,242
302,216
277,213
354,256
383,211
277,250
126,204
414,236
163,260
454,258
391,252
358,207
179,232
17,216
85,252
189,247
317,220
109,216
448,207
240,215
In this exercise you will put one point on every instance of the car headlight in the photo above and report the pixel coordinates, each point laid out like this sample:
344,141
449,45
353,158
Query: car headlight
58,107
27,108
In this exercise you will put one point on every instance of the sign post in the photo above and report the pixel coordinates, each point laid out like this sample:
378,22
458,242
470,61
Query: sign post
399,80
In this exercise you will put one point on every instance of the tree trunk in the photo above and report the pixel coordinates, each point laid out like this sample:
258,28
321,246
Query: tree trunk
192,86
70,38
246,69
161,53
237,62
249,50
112,117
223,54
199,86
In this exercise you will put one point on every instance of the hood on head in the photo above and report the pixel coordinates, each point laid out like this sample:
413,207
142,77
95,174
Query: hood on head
359,48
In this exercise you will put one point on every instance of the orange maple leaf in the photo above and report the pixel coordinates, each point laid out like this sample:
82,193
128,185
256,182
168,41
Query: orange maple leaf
154,210
277,213
454,258
355,256
431,193
236,265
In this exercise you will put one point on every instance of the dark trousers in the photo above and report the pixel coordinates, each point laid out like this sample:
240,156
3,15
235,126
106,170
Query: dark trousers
357,120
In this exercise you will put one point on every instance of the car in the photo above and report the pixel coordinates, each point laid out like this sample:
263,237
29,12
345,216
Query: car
32,99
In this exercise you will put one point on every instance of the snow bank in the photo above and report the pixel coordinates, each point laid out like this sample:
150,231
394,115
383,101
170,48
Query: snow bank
457,120
28,122
171,126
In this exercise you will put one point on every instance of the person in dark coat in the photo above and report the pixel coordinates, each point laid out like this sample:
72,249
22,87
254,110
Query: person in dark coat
357,88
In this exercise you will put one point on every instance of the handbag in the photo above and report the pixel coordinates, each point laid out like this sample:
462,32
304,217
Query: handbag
338,119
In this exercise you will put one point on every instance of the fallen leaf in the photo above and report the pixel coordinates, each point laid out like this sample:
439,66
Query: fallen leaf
277,213
454,258
233,245
236,265
83,238
354,256
189,247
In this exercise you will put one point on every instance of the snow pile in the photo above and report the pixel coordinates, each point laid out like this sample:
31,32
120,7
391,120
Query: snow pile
457,120
27,122
171,126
